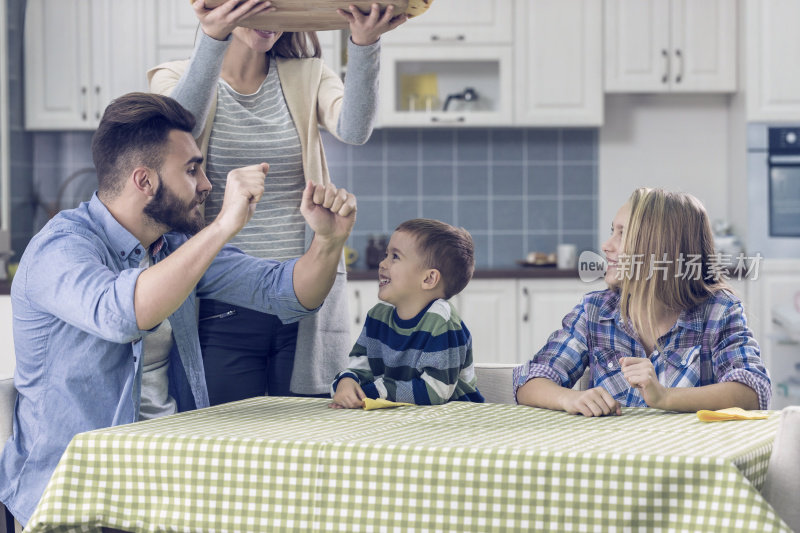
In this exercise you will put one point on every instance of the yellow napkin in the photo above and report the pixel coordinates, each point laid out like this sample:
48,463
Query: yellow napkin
732,413
380,403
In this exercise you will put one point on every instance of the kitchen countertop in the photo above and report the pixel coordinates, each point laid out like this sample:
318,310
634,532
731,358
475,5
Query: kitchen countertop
489,273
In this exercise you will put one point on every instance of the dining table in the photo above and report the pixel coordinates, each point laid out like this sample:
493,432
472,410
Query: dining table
295,464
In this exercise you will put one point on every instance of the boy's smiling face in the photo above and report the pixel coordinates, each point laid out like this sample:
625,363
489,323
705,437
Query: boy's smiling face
401,275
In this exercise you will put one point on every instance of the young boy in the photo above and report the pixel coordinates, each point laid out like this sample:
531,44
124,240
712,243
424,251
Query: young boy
414,347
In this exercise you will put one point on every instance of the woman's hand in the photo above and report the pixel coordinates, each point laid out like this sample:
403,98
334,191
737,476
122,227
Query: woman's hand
640,373
367,29
220,21
592,402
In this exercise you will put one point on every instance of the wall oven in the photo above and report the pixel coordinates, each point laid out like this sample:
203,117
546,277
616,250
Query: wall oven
773,181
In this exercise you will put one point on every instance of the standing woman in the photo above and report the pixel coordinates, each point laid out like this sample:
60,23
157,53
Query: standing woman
262,96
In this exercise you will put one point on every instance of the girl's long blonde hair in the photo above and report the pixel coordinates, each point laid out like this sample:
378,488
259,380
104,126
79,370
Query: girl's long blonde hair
669,241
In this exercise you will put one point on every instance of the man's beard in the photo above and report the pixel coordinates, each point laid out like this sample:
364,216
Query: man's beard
167,209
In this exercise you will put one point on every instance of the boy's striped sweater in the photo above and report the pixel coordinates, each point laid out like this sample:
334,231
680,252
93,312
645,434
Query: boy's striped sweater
424,360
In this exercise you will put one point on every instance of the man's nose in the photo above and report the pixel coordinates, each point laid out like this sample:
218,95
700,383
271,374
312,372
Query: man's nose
203,183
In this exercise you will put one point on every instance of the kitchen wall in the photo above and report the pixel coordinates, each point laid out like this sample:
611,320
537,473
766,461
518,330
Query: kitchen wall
515,190
679,142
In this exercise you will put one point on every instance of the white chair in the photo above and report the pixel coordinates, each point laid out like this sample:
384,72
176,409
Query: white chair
495,382
782,486
8,397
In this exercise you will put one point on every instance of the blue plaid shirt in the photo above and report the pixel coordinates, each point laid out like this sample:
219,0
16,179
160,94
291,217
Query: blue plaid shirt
710,343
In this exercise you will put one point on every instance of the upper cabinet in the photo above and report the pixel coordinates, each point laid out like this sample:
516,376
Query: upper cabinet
449,22
670,45
495,63
70,76
773,56
558,48
449,67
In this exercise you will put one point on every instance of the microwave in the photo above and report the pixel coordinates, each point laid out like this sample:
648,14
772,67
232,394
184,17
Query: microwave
773,183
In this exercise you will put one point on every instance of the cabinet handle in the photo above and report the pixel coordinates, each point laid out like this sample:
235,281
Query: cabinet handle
526,313
679,55
97,110
357,295
439,38
448,120
665,55
85,111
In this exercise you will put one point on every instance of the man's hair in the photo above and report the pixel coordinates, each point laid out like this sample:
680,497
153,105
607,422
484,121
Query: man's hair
446,248
133,132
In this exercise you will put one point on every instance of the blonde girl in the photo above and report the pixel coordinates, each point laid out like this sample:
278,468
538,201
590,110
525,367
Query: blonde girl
666,333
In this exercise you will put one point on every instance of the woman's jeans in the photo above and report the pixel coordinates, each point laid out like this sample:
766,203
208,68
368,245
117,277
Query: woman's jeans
246,353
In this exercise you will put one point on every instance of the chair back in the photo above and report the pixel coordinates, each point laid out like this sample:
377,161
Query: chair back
8,397
782,486
495,382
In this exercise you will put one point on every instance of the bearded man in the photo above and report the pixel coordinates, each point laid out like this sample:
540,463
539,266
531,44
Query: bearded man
105,298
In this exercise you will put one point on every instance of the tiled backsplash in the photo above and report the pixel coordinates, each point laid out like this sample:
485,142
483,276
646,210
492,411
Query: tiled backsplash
515,190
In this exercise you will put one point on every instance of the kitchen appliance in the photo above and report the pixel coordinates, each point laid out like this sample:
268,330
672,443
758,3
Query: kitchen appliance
773,186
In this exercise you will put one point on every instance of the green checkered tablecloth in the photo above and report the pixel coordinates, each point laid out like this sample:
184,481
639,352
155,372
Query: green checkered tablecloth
293,464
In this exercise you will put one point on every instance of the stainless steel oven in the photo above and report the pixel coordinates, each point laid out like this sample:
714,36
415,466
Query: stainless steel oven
773,181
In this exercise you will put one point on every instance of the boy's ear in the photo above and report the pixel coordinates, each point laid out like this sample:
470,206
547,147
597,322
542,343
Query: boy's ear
432,279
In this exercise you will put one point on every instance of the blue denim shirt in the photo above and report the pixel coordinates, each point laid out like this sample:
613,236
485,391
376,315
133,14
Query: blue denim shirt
78,347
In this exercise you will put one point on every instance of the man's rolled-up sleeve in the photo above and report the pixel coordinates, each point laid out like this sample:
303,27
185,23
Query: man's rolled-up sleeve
259,284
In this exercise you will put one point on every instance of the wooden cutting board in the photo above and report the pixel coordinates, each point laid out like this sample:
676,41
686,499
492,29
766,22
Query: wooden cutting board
311,15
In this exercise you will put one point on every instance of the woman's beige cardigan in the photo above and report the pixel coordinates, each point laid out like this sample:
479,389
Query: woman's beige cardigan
323,339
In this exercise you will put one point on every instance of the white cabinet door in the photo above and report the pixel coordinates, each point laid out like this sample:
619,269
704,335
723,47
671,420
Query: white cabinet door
71,76
57,70
488,309
122,50
542,305
670,46
703,45
331,44
457,22
558,49
447,71
773,49
637,55
176,29
362,296
777,285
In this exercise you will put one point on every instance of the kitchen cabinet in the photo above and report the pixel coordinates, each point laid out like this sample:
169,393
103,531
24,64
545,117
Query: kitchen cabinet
558,58
450,22
509,319
542,304
176,30
441,72
361,296
488,309
777,287
70,76
772,52
670,46
499,63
